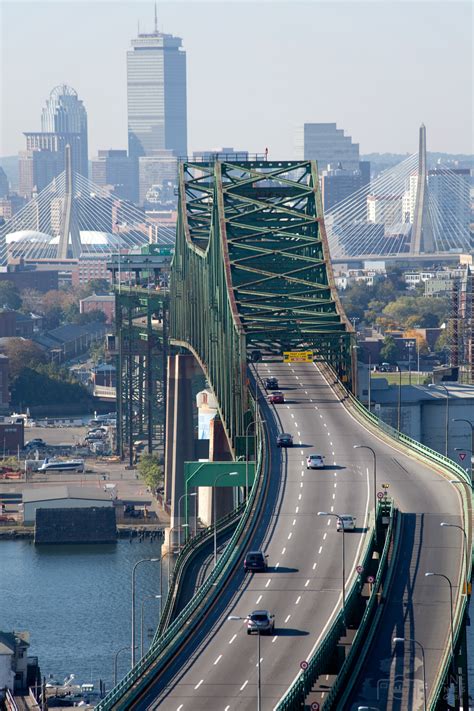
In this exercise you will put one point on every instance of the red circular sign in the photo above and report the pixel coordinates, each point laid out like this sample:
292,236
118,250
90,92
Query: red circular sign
380,495
370,579
360,569
315,706
304,665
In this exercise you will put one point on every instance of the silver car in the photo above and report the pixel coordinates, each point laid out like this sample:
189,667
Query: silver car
261,622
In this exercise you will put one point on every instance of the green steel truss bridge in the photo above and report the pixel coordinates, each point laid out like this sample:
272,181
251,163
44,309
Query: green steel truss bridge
251,271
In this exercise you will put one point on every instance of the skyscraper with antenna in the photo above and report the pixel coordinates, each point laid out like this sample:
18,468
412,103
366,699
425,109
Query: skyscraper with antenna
156,94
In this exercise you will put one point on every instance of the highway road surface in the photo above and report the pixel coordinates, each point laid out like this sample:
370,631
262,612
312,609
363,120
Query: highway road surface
302,587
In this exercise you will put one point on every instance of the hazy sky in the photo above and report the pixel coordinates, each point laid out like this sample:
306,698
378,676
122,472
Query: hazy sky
255,69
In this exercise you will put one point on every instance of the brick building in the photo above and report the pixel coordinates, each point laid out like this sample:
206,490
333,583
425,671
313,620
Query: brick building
96,302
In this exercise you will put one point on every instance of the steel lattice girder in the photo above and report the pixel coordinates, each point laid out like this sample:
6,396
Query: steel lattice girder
252,268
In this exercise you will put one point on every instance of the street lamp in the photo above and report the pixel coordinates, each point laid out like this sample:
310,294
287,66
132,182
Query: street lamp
149,597
465,449
139,562
433,385
219,476
259,677
254,422
366,446
444,524
414,641
409,345
184,496
122,649
340,518
441,575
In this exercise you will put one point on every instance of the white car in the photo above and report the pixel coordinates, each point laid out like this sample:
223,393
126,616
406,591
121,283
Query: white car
347,522
315,461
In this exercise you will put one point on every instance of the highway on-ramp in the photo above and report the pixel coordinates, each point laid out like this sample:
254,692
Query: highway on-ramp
302,587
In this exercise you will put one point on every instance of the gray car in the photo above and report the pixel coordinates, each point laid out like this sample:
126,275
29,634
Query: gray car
261,622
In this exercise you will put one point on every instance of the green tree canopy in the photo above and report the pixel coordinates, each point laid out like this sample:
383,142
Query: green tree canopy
388,352
9,296
428,312
150,468
22,353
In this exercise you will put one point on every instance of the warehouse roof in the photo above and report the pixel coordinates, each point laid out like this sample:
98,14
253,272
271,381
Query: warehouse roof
64,491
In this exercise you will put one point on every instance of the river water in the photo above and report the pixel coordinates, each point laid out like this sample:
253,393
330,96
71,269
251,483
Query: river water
75,601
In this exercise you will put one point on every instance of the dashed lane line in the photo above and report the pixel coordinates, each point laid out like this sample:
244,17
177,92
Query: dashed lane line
232,639
218,659
287,618
244,685
199,684
258,599
297,601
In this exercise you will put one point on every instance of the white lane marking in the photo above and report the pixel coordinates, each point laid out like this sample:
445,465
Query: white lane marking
296,424
329,520
199,684
298,600
325,536
296,376
218,659
299,433
314,566
232,639
321,416
302,473
331,445
299,497
244,685
289,535
288,407
333,497
268,582
286,620
334,454
274,639
302,462
297,509
283,551
324,424
329,434
276,566
292,415
335,484
227,708
294,522
261,660
258,599
306,583
301,485
301,451
180,707
305,392
320,549
332,509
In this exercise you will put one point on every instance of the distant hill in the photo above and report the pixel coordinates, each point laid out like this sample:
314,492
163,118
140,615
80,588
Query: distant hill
10,166
382,161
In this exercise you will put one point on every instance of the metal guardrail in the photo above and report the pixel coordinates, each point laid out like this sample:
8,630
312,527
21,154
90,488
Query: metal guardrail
318,659
162,650
185,555
353,663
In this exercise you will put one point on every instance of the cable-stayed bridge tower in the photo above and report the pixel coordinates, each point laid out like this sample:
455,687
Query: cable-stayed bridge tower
422,239
69,240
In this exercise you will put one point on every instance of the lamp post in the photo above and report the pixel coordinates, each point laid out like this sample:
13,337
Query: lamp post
139,562
259,677
339,517
444,524
399,408
149,597
471,425
414,641
464,449
432,385
366,446
409,345
122,649
441,575
370,384
219,476
254,422
161,572
184,496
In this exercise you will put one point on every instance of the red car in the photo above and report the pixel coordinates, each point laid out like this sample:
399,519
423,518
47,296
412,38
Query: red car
276,397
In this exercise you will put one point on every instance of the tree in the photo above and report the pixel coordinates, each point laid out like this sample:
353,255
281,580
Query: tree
425,310
90,316
32,300
388,352
150,468
96,286
22,353
9,296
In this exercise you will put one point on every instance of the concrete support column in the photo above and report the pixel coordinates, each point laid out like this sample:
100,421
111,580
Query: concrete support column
179,438
219,452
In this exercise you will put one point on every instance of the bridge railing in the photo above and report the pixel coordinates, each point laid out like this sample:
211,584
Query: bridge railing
465,490
167,644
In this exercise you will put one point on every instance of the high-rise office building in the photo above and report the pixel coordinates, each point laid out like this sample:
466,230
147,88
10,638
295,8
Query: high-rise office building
63,123
327,144
156,170
156,95
66,115
338,184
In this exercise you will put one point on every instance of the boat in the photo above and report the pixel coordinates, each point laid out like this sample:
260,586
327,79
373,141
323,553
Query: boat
57,465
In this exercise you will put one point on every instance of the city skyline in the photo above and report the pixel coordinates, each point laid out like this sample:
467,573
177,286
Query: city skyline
251,103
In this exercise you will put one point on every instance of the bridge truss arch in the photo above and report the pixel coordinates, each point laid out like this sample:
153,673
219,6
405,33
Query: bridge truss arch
252,270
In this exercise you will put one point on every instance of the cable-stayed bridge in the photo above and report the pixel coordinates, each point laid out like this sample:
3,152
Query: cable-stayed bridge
72,218
407,211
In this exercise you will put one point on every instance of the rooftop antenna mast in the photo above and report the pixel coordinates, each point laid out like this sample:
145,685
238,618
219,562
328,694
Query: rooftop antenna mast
156,21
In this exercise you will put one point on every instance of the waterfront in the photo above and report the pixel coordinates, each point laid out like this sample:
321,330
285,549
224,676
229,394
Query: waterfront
75,601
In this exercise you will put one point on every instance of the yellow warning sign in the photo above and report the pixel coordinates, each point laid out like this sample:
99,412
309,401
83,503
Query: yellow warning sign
298,356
